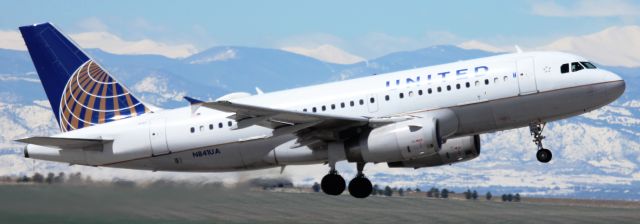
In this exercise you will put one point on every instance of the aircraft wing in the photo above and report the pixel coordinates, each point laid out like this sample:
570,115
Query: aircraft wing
247,115
311,129
65,143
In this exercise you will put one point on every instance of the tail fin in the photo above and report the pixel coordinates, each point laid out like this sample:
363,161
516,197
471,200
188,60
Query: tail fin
81,93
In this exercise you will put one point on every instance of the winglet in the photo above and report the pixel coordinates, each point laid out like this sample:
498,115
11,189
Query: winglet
195,104
192,100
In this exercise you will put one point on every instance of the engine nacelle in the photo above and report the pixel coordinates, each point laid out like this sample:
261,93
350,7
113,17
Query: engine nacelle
400,141
453,151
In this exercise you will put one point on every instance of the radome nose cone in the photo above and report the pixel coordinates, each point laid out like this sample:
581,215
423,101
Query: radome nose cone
618,88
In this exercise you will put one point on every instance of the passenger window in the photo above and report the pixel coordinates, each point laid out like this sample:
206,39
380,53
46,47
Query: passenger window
386,97
193,129
506,78
210,126
448,88
467,85
420,92
458,86
439,89
324,107
401,95
229,123
486,82
372,100
361,102
564,68
220,125
201,127
575,66
314,109
342,105
304,110
410,93
333,106
477,82
352,103
429,91
495,80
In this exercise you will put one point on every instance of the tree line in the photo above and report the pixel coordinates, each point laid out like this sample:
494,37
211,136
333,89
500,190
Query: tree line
432,193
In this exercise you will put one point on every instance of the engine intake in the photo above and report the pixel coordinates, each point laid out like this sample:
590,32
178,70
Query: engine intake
453,151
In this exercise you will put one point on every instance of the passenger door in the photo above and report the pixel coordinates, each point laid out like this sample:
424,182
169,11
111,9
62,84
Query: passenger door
526,76
158,137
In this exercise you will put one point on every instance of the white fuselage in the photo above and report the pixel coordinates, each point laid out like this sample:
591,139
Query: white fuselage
486,95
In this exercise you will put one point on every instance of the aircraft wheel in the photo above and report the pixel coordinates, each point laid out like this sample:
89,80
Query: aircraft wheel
333,184
544,155
360,187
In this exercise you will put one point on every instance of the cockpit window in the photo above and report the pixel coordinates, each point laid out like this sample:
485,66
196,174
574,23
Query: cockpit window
588,65
575,66
564,68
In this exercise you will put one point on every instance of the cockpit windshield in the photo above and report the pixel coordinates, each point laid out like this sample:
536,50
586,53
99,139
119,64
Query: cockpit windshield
589,65
576,66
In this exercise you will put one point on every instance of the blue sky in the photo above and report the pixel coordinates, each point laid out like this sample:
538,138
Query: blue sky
365,28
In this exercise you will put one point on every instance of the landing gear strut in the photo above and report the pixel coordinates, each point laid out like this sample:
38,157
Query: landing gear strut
360,186
543,155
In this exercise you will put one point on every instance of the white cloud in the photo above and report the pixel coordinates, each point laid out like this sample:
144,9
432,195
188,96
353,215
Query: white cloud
92,24
11,40
615,46
114,44
109,43
326,52
587,8
478,45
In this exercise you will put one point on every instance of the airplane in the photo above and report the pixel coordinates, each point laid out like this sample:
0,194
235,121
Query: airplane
416,118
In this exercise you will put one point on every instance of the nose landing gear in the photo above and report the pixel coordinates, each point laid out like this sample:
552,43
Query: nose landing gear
543,155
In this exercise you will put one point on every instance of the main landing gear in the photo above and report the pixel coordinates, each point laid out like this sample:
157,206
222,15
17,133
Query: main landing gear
359,186
543,155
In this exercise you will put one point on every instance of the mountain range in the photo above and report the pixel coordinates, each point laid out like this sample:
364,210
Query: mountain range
596,155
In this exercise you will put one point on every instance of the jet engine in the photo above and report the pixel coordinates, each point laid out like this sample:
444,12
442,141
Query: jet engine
453,151
399,141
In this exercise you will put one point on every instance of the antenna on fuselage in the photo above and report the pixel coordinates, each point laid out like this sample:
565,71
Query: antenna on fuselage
518,50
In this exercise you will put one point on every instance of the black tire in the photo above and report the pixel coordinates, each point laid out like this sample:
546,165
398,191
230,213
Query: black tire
544,155
332,184
360,187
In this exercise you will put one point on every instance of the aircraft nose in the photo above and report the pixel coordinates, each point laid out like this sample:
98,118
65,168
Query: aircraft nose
618,87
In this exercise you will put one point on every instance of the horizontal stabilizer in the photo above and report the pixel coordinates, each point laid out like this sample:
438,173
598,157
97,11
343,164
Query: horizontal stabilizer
66,143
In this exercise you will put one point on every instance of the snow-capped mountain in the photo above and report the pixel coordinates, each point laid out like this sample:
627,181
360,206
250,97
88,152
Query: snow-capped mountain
595,155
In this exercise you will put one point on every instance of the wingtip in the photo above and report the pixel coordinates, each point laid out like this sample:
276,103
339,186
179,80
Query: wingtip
193,100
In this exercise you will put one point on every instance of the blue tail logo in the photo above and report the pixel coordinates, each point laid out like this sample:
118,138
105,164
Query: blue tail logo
81,93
